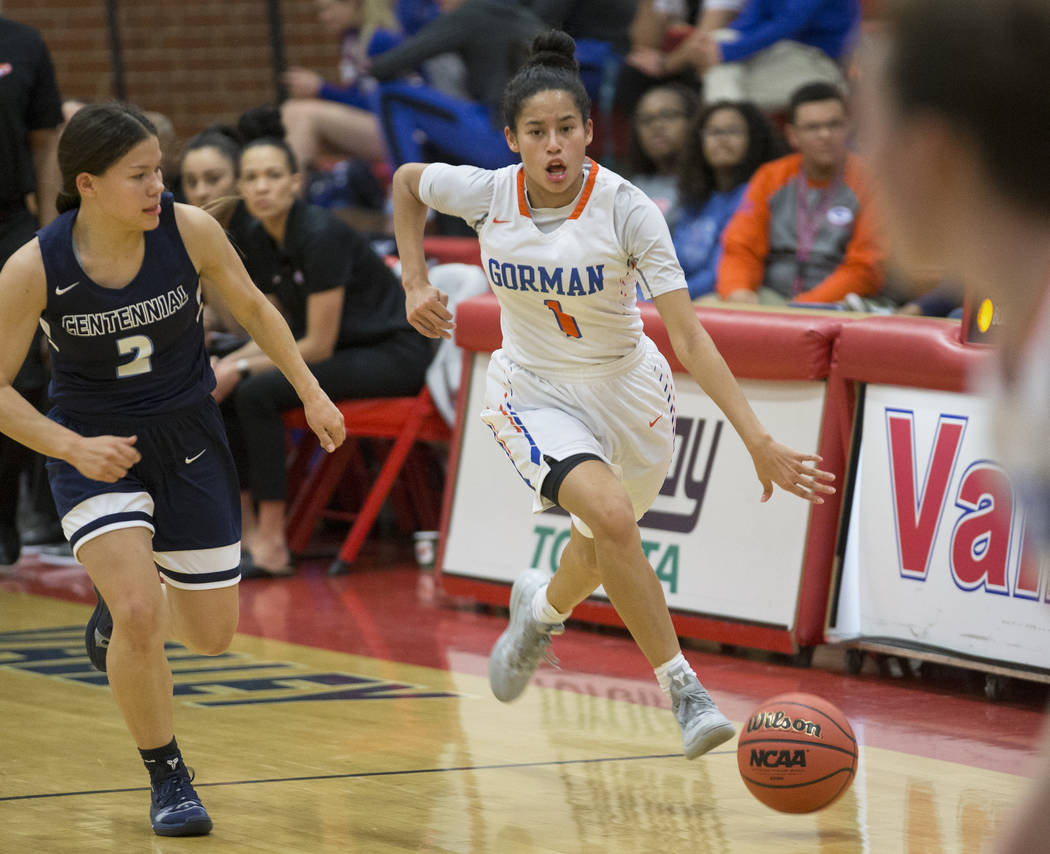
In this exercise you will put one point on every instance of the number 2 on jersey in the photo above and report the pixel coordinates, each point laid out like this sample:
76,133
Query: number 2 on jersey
141,348
566,322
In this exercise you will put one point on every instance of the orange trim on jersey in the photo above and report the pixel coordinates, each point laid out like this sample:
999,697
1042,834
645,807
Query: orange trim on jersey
523,205
588,187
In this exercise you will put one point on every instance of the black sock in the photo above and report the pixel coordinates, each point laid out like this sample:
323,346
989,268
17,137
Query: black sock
163,761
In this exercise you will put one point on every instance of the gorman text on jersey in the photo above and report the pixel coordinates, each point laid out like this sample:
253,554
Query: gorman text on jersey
127,317
542,280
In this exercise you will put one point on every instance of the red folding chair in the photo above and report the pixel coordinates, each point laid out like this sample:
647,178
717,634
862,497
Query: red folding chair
406,420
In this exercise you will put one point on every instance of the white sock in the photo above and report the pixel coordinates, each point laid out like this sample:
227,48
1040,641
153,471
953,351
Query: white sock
676,666
543,610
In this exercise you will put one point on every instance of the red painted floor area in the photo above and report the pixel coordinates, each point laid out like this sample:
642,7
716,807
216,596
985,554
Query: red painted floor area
388,609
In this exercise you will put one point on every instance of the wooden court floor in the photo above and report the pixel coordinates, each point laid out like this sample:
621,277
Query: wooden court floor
353,714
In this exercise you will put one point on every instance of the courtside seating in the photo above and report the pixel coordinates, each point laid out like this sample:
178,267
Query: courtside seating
406,420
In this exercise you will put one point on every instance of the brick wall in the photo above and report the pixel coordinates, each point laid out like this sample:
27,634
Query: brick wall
197,61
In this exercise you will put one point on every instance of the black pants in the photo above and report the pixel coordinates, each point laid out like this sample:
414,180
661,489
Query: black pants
17,226
395,367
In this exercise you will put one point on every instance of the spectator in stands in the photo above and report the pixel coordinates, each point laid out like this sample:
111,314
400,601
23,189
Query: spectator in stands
208,175
726,143
30,113
805,230
659,51
771,48
346,310
491,37
326,117
659,140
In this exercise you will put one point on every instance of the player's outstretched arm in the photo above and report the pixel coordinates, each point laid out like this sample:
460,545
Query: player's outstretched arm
23,295
774,463
217,260
425,305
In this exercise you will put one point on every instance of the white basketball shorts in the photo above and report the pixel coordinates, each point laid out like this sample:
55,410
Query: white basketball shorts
626,419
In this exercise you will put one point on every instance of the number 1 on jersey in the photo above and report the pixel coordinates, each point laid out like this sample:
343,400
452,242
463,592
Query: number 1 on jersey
566,322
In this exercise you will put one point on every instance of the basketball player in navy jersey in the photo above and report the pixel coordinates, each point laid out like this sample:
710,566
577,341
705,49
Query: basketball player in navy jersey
579,398
955,119
137,454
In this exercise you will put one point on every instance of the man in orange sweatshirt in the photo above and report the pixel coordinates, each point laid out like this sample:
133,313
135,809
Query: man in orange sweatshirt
805,230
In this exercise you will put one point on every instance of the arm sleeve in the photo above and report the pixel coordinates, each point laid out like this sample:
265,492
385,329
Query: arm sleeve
463,191
756,34
861,269
644,236
442,35
745,241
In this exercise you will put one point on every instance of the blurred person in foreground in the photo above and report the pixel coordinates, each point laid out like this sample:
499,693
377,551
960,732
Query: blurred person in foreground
955,116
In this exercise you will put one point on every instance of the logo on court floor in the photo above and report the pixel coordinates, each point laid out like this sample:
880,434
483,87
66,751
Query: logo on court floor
59,652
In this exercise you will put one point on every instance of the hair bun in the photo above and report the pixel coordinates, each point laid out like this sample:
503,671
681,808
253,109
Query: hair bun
262,122
554,49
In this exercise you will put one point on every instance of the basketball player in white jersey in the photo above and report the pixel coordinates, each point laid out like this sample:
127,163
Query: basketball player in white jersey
580,399
955,117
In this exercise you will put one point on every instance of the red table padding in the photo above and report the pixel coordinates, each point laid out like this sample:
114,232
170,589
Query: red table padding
921,352
452,250
756,344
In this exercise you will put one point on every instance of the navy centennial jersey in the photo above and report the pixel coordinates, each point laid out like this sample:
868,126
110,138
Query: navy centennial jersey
131,351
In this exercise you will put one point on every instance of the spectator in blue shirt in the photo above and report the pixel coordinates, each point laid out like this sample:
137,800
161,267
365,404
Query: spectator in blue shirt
772,48
727,142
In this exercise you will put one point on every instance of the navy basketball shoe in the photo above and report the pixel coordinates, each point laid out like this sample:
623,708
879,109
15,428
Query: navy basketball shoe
175,809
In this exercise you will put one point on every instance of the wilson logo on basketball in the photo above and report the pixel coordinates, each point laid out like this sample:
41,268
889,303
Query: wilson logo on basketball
778,759
778,720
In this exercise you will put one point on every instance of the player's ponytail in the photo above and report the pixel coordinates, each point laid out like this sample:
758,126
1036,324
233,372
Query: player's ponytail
95,138
551,65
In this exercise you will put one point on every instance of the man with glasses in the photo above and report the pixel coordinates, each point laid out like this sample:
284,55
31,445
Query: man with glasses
805,230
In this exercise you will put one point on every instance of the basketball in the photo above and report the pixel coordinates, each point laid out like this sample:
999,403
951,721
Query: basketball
797,753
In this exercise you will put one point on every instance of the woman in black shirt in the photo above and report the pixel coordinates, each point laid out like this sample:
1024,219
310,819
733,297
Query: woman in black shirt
346,309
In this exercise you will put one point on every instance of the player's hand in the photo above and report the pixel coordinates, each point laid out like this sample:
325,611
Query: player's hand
791,471
427,310
302,83
105,458
326,421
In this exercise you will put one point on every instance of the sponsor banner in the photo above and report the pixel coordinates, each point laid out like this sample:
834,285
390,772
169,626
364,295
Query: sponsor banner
717,549
936,552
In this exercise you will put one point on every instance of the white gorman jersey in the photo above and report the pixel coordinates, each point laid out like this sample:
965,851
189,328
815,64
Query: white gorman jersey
565,277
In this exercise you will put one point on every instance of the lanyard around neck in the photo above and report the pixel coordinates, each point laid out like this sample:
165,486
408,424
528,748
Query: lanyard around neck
807,222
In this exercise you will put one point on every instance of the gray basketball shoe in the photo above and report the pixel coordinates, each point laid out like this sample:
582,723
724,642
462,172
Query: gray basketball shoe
703,726
525,641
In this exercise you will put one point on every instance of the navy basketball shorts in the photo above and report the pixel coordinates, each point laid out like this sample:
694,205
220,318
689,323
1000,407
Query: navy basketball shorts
184,490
